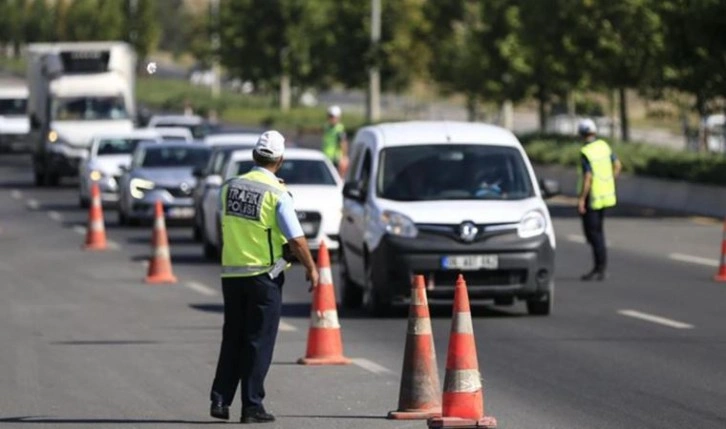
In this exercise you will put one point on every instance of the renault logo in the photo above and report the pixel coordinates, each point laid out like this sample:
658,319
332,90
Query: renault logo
184,187
468,231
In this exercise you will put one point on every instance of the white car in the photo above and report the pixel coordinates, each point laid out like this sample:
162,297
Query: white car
223,139
316,190
108,154
174,134
440,199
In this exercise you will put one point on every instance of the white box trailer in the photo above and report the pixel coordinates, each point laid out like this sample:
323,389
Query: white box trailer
76,90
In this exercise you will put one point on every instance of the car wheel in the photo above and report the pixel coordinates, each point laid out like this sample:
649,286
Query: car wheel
196,233
352,294
541,305
374,303
83,202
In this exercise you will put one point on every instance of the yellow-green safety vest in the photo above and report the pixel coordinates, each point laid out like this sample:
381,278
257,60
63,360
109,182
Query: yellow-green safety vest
331,145
602,191
251,237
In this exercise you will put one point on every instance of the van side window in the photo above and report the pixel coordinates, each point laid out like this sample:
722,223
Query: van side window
354,163
365,170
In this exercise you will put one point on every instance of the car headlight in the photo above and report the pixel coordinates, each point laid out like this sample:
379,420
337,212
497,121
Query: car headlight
532,224
138,186
398,224
52,136
95,175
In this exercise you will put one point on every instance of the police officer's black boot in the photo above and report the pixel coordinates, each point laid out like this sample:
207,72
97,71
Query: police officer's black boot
218,410
256,415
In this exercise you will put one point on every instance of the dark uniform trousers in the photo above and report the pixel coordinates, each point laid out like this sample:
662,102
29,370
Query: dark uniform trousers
252,307
592,225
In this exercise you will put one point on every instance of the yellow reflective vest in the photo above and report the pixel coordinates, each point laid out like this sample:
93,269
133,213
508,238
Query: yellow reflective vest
251,237
602,191
331,143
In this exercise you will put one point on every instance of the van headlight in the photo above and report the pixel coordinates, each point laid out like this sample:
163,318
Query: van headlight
138,186
53,136
532,224
398,224
96,175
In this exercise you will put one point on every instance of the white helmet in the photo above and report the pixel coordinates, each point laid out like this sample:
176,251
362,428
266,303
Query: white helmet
334,111
586,126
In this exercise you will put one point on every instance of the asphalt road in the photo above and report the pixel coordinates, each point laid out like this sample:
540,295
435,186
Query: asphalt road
85,343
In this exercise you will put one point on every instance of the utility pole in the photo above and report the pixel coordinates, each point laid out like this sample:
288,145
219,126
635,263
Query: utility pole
373,111
214,22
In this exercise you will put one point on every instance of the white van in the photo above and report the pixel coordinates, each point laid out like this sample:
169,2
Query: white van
439,199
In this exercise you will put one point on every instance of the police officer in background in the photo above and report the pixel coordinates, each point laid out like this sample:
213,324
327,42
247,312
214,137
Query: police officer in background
335,142
596,190
260,236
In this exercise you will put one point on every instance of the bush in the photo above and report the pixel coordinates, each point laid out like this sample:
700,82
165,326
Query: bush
637,158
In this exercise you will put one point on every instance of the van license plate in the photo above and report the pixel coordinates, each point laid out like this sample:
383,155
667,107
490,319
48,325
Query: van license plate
470,262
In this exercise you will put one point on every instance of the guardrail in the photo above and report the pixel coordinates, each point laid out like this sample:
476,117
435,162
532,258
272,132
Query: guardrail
672,195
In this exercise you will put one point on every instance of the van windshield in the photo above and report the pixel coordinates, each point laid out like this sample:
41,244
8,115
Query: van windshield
13,106
453,172
89,108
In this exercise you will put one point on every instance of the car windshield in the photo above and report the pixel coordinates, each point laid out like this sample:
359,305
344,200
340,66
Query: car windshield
453,172
177,156
89,108
13,106
118,146
297,172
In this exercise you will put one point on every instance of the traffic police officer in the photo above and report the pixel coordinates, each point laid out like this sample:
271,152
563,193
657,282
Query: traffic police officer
335,142
259,227
596,189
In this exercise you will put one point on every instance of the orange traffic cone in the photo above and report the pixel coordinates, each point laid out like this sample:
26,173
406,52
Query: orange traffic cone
721,275
463,403
160,263
325,344
96,231
420,394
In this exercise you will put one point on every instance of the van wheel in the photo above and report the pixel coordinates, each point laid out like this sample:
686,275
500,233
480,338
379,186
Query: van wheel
541,305
352,295
373,302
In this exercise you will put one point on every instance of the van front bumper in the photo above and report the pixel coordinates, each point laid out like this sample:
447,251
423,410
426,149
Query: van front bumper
525,266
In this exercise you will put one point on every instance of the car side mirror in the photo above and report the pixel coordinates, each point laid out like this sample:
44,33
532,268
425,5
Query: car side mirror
213,180
549,187
354,190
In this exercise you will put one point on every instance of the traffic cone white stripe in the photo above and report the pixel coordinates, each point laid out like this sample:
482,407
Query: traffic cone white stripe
419,326
97,225
327,319
162,252
462,323
462,380
326,276
96,202
159,224
419,299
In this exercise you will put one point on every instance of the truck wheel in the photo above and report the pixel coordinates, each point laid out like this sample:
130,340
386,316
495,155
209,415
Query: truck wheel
352,295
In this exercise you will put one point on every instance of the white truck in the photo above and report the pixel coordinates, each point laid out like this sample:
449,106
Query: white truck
76,90
14,124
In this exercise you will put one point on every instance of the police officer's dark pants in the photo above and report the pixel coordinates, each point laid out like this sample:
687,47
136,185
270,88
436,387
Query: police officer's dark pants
252,307
592,225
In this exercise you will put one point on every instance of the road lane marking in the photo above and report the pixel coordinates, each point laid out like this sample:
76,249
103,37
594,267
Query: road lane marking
681,257
576,238
655,319
371,366
54,215
80,230
16,194
286,327
33,204
201,288
113,245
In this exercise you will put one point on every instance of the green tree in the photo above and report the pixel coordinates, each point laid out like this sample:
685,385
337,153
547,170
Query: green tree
38,22
94,20
11,23
482,55
141,27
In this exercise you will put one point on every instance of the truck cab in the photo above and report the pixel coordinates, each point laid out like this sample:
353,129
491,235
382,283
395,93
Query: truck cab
76,90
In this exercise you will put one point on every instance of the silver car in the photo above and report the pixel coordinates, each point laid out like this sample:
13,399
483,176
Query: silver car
108,153
161,172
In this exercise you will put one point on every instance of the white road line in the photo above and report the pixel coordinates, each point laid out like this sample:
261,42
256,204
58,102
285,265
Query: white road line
16,194
693,259
576,238
113,245
54,215
371,366
201,288
32,204
286,327
655,319
78,229
145,263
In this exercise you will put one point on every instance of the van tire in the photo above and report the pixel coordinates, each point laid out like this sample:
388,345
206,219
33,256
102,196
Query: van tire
374,303
351,294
